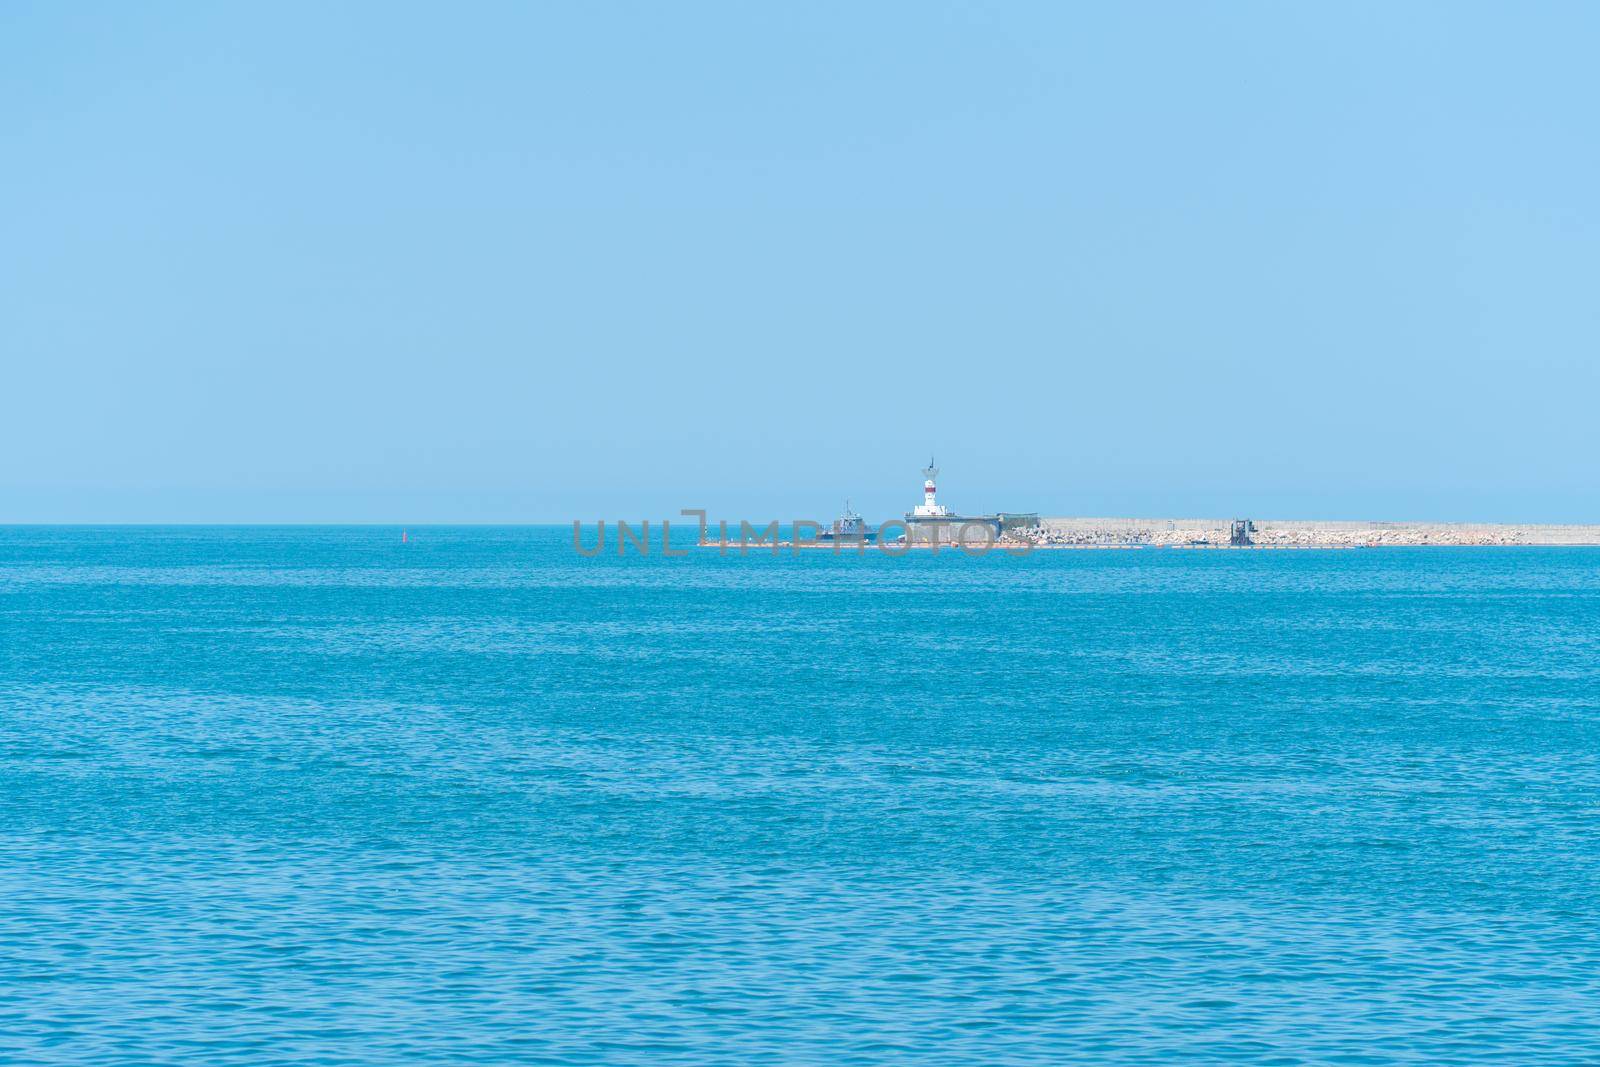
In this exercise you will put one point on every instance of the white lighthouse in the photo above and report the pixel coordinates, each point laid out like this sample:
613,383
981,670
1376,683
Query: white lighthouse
931,523
930,508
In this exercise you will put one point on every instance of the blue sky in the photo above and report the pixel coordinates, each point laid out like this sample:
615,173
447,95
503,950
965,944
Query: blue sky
516,262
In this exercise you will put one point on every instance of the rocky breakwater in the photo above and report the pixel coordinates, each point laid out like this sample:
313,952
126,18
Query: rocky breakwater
1281,533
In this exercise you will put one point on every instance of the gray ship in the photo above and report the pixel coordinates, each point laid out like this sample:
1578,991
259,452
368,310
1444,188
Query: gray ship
848,528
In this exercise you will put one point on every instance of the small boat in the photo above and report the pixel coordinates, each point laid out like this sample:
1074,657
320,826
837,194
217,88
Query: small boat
848,527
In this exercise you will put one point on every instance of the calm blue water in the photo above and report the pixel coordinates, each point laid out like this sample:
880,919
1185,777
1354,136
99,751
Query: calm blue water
311,796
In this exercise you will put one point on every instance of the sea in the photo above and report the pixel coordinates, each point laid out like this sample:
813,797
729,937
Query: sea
323,796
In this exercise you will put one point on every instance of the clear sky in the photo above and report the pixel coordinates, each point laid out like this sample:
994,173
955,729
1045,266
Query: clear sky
531,262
